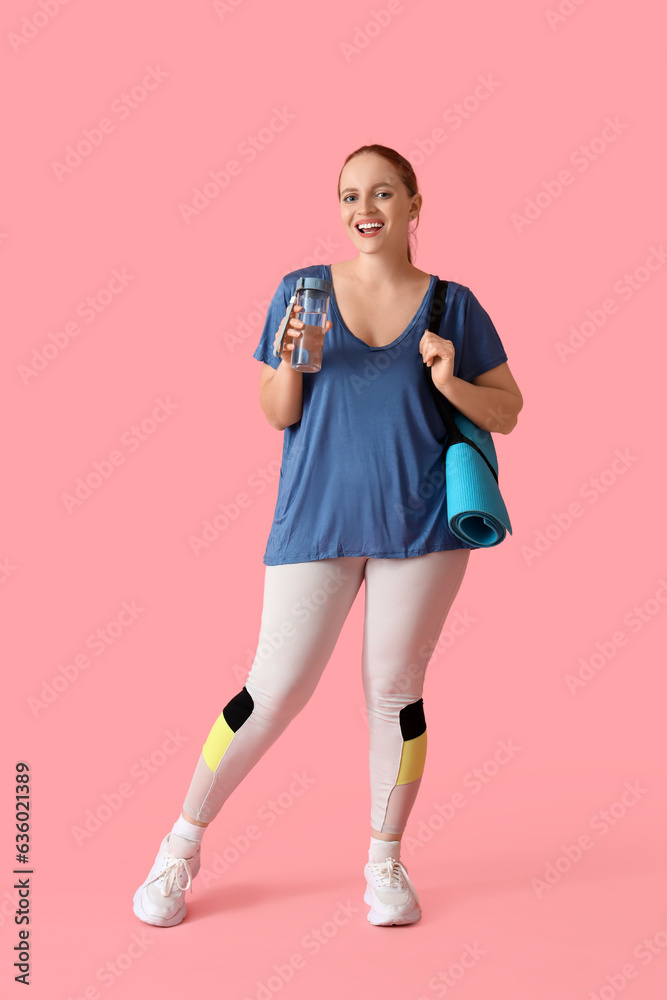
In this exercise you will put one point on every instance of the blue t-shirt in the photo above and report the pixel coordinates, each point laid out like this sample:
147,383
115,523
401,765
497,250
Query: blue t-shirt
362,470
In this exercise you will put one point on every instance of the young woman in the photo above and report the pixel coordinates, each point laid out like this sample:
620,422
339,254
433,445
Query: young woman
362,449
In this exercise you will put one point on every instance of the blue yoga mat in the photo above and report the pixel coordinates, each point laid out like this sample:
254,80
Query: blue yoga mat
476,511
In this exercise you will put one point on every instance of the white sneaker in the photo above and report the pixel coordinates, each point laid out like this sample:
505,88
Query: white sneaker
160,900
390,894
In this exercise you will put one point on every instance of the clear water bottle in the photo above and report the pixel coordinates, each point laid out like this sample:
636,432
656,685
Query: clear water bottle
314,295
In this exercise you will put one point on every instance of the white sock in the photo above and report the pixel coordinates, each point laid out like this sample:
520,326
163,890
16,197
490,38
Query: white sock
184,838
380,850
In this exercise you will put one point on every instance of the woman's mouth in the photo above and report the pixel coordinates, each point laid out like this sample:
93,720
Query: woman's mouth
369,229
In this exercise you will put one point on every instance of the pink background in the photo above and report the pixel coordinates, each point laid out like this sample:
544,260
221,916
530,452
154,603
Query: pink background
183,329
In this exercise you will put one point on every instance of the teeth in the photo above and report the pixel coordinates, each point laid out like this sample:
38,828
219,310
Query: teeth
370,225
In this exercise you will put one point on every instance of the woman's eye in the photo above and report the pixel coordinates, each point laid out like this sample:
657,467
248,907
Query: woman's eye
348,196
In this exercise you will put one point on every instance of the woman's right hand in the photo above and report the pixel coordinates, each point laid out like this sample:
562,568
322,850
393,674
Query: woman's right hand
294,328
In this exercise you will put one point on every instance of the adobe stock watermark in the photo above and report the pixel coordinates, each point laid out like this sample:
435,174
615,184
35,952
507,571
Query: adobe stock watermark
303,610
373,366
7,569
563,12
606,649
268,815
140,772
99,641
247,150
32,24
320,254
601,823
229,511
473,781
454,117
122,107
433,482
223,7
252,324
592,490
582,157
625,288
458,624
107,974
131,440
442,982
88,310
311,943
363,34
9,904
431,485
645,951
247,326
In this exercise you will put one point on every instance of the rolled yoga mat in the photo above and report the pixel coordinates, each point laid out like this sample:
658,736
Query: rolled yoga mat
476,511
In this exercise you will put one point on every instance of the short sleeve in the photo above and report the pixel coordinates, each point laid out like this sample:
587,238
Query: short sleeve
274,316
481,347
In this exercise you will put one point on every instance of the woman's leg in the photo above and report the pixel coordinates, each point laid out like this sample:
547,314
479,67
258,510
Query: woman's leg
305,607
407,602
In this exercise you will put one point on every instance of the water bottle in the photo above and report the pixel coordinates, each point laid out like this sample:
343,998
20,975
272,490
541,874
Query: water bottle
314,295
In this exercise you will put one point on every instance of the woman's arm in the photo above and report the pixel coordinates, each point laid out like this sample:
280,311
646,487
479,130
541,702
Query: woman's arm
281,394
492,400
281,388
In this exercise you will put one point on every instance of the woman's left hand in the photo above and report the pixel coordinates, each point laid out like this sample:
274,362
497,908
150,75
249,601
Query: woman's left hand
439,356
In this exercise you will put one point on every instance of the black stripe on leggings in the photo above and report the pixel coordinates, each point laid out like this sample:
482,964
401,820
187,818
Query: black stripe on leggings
238,710
412,720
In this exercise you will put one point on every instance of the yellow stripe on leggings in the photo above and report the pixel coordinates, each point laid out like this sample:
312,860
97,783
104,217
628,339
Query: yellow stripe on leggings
413,757
217,742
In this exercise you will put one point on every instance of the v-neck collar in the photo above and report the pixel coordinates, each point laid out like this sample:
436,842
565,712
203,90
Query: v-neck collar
358,340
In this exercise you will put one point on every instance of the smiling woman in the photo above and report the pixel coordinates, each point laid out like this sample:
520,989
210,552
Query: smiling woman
362,448
388,185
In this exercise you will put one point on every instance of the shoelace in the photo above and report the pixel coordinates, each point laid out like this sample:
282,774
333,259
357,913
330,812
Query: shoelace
172,874
388,874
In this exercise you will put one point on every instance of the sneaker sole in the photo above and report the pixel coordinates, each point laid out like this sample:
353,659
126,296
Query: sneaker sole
156,921
378,920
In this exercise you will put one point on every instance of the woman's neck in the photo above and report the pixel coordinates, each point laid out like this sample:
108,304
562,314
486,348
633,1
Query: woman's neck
376,269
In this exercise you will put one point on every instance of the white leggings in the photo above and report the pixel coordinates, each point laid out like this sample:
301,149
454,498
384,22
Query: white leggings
407,602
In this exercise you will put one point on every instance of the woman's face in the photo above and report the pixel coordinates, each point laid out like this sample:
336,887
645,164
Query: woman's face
372,191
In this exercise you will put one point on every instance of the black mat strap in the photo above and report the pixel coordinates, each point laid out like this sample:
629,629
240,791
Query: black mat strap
445,408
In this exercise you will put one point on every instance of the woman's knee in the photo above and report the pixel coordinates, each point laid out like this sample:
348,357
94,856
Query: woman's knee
281,703
405,681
